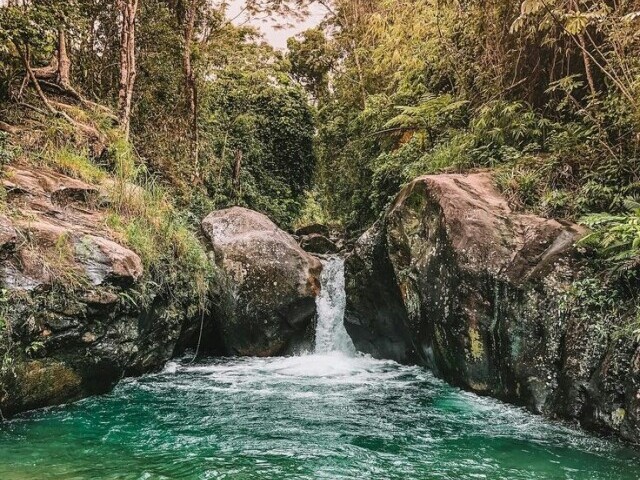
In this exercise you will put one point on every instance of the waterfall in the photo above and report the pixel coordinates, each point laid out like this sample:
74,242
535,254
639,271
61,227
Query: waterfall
331,336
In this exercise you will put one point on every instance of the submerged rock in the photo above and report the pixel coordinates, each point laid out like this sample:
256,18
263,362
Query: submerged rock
266,300
452,278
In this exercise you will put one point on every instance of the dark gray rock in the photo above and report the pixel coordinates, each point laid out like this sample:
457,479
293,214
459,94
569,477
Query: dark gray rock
451,278
315,228
316,243
375,316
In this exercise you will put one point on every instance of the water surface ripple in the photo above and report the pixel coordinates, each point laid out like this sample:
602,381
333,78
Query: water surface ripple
313,417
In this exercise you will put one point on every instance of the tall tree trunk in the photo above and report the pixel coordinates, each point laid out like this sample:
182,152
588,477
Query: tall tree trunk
128,10
585,55
587,65
190,81
64,63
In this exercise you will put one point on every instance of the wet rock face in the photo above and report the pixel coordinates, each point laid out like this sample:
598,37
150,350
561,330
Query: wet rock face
451,278
266,300
70,325
375,316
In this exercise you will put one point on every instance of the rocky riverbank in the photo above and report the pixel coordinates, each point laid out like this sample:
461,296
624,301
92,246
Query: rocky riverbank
79,310
451,278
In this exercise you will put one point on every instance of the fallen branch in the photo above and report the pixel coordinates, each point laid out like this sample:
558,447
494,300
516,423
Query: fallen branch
33,107
5,127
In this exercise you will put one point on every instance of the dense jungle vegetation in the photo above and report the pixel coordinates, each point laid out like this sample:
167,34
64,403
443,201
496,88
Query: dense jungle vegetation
176,96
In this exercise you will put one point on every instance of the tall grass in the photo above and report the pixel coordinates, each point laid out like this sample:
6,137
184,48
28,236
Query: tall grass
77,164
143,218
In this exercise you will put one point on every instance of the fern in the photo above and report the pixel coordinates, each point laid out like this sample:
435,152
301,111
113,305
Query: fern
616,237
431,112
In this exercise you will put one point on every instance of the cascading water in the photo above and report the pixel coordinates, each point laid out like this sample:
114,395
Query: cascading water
331,336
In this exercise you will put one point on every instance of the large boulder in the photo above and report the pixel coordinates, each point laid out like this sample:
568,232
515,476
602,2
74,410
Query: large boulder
452,278
266,300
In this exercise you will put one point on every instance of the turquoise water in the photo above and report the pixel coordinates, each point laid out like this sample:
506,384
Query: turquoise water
314,417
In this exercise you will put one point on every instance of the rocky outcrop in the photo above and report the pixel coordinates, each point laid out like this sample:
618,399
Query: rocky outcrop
266,300
78,312
453,279
70,325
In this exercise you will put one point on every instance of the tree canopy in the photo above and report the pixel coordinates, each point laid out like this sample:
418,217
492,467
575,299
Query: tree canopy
544,92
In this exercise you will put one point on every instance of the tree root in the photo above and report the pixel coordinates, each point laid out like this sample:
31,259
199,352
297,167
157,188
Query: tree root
99,140
5,127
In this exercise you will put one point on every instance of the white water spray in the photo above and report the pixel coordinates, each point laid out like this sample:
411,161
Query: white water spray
331,336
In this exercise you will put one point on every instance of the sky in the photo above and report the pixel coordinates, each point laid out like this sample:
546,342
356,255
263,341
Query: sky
278,37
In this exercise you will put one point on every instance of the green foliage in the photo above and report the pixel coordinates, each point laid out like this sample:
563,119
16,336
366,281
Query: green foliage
424,88
312,58
122,159
520,184
172,254
504,129
590,296
76,164
603,309
616,237
32,23
7,152
246,101
431,115
30,29
595,307
257,114
34,348
6,342
312,211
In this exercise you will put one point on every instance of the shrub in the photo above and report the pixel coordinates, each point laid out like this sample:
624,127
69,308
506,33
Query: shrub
616,237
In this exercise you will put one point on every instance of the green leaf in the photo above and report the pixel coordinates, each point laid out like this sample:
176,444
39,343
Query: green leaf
529,7
577,23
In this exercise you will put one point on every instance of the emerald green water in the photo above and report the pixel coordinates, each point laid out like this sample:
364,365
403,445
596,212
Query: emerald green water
314,417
